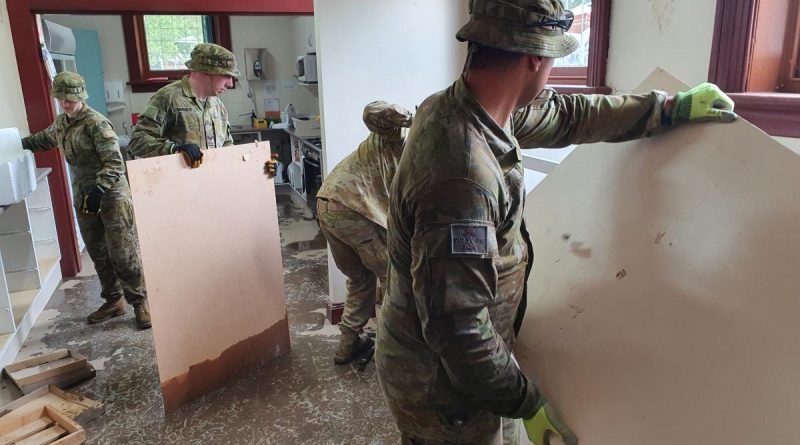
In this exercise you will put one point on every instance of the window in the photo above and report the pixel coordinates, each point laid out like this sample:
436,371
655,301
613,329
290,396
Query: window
158,46
754,59
790,72
169,39
585,69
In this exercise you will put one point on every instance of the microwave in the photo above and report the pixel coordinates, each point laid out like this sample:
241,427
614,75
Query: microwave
307,68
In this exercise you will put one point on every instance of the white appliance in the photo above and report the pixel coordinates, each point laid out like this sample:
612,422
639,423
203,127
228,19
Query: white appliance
60,43
307,68
60,49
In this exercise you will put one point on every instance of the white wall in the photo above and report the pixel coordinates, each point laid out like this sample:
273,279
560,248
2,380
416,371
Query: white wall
12,113
396,50
281,35
673,34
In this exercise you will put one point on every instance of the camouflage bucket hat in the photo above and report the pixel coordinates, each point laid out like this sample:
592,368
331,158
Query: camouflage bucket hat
521,26
69,86
213,59
383,118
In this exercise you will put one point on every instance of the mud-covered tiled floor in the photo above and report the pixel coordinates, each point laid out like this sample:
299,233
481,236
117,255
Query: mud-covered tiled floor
301,398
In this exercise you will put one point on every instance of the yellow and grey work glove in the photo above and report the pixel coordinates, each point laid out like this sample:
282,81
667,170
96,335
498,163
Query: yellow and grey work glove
271,166
705,102
546,421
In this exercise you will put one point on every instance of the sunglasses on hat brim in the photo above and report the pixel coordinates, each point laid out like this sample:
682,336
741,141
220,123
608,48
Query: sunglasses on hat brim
564,22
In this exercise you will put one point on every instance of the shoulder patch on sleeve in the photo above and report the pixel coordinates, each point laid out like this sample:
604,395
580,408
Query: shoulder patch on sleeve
469,239
152,112
108,132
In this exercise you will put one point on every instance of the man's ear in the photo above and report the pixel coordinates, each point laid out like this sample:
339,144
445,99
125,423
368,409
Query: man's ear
534,63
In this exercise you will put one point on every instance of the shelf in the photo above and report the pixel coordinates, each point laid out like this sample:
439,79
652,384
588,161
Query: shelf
29,269
21,302
16,232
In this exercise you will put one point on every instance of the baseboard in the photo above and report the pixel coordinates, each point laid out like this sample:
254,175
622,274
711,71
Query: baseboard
335,312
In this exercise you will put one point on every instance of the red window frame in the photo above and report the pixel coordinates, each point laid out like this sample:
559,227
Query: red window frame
732,57
592,78
142,79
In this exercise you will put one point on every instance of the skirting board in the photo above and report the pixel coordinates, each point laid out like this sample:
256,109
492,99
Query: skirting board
212,263
663,304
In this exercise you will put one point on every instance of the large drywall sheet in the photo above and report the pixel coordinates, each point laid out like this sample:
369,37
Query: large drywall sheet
663,304
212,262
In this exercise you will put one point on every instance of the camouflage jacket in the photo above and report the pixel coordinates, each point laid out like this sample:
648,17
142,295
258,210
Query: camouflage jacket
361,181
90,145
175,116
459,251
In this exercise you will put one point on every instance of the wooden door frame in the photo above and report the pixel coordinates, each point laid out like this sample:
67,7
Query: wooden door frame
36,85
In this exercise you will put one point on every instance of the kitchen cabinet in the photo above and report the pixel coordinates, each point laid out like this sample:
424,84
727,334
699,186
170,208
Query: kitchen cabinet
305,170
278,141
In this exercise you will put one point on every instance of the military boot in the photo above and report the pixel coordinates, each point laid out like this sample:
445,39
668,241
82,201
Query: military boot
111,308
142,312
351,345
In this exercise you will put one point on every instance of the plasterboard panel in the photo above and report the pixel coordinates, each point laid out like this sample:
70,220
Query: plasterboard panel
663,302
212,263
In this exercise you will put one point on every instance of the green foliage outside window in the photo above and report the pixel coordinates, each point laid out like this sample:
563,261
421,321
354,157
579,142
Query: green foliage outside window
170,39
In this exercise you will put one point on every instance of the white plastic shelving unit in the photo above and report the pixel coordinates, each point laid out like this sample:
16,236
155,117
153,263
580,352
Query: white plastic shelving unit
29,265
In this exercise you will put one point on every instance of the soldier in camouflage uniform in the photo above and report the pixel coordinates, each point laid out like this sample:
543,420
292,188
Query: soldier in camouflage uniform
351,208
187,115
101,196
459,254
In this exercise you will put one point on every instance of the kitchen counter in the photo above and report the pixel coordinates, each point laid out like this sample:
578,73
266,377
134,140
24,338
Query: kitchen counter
245,129
315,142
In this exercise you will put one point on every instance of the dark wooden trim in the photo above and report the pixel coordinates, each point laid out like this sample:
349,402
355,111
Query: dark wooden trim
732,44
580,89
568,75
334,311
233,7
40,113
776,113
790,77
598,56
594,74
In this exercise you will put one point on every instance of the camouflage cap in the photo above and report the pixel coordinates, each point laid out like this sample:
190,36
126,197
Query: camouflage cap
511,25
213,59
69,86
383,118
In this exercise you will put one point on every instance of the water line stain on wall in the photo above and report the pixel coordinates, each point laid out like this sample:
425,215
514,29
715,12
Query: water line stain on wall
663,11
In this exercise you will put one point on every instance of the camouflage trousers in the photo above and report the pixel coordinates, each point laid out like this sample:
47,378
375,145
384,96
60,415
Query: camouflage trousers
113,246
508,435
358,246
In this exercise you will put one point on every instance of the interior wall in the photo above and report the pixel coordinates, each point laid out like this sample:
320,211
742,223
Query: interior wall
282,36
672,34
12,113
394,50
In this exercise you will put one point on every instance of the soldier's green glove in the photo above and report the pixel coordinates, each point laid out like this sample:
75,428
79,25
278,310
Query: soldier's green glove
705,102
545,422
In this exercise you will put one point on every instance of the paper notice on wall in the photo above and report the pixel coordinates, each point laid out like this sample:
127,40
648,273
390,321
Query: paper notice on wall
287,84
272,104
270,88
